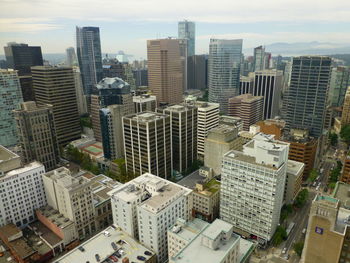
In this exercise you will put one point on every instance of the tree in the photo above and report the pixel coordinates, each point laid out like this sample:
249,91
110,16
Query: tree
298,248
279,236
301,198
345,134
285,212
313,175
333,138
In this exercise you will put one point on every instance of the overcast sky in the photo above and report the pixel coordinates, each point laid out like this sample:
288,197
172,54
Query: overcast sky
127,24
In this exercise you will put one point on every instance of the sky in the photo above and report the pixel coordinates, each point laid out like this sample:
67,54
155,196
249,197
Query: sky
127,24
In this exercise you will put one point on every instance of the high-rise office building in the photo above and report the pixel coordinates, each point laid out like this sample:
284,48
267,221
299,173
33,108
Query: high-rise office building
187,30
208,118
247,107
147,206
56,86
140,76
268,83
183,126
71,57
37,134
307,94
21,57
21,187
259,58
89,56
10,98
252,187
144,102
81,98
246,84
340,81
147,143
109,91
72,197
224,70
345,116
197,72
165,70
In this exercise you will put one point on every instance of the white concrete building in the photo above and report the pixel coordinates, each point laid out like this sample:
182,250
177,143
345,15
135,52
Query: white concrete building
72,197
144,102
208,118
147,207
252,186
21,189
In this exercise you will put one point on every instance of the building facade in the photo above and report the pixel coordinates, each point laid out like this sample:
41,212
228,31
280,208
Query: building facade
339,83
56,86
345,116
187,30
10,98
307,94
144,102
147,143
37,134
224,70
89,56
252,187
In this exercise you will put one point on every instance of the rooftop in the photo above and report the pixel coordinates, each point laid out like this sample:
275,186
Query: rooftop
41,230
112,83
101,186
188,230
63,177
343,220
100,245
25,168
294,167
146,116
191,180
54,217
6,154
342,193
143,98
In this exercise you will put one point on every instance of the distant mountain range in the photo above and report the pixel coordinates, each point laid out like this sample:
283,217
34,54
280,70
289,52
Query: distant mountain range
305,48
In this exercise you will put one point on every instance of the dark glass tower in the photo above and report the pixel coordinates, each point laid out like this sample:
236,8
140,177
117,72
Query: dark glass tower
21,57
307,94
89,56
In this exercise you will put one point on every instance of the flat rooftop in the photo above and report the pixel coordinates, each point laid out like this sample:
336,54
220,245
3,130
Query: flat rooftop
146,116
49,236
188,230
343,220
342,193
25,168
54,217
294,167
6,154
191,180
101,244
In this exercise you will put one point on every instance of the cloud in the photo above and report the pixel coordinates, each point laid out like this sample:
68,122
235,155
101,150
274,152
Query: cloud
26,25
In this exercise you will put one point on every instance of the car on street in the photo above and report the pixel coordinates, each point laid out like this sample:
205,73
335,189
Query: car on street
284,250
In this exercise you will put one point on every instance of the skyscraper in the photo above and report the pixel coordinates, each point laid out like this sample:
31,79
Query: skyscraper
55,86
197,72
268,83
183,134
187,30
71,59
340,81
259,58
165,70
37,134
252,187
147,143
345,116
10,98
89,56
21,57
307,94
224,70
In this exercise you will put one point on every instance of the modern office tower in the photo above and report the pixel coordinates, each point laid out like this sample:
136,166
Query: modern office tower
197,72
223,70
268,60
327,235
81,98
302,148
21,57
113,68
144,102
268,83
109,91
147,143
207,118
294,180
339,83
89,56
10,98
71,57
56,86
273,127
141,77
71,196
112,130
206,193
345,176
21,189
129,76
252,186
247,107
183,125
307,94
246,84
216,243
187,30
147,206
37,134
165,70
219,141
345,116
259,58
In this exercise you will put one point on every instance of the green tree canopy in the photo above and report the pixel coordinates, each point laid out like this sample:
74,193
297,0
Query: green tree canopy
345,134
298,248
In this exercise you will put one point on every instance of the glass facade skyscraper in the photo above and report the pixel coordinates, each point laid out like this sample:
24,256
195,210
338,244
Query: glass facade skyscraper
10,99
307,94
224,70
340,81
89,56
187,30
